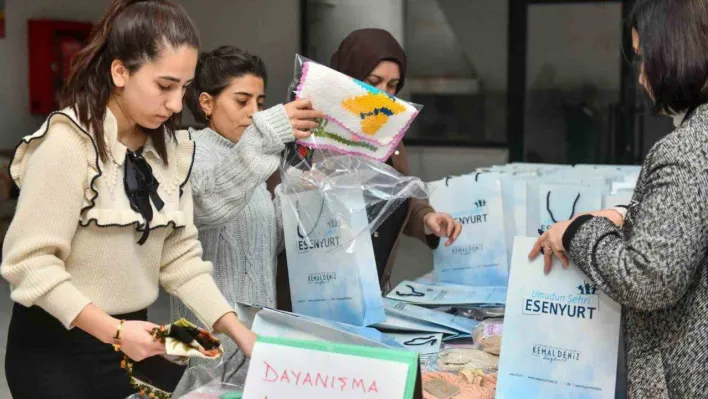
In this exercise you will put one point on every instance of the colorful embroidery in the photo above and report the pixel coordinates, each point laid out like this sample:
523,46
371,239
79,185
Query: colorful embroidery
322,133
364,120
374,109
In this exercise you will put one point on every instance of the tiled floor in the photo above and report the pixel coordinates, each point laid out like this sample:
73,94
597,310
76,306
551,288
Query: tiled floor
159,313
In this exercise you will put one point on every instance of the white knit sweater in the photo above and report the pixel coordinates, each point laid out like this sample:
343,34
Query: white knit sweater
234,212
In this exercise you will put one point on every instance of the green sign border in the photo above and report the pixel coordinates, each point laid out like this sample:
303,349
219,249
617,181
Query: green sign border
399,356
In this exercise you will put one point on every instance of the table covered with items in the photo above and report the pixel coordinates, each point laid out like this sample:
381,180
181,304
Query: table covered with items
484,323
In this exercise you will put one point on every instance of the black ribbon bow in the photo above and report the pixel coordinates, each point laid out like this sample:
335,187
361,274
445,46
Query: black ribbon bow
141,186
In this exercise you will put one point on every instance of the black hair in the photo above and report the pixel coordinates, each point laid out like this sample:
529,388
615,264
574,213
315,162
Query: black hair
673,49
134,32
215,71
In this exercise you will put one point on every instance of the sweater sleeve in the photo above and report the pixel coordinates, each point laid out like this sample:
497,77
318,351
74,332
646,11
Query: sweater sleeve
184,274
222,190
47,216
651,261
419,208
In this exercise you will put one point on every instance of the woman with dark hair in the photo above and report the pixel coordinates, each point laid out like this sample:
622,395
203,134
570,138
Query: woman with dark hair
105,213
652,257
375,57
236,153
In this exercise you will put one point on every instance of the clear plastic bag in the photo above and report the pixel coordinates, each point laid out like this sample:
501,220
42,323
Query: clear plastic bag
488,335
480,313
330,207
383,188
223,379
332,198
359,119
458,359
214,380
314,165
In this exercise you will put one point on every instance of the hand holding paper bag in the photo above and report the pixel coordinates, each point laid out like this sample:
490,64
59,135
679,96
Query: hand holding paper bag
561,334
551,243
552,239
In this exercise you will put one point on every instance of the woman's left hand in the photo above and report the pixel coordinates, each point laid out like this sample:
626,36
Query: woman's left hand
551,243
443,225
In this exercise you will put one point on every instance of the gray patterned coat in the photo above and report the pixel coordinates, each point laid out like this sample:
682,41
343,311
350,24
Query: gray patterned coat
656,266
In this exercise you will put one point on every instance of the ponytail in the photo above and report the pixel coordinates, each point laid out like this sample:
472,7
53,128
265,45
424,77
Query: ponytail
132,31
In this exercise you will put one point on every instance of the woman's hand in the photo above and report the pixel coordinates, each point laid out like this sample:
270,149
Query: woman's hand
443,225
137,342
230,325
302,117
551,243
135,339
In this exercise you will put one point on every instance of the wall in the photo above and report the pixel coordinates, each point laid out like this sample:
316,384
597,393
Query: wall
330,21
481,29
269,28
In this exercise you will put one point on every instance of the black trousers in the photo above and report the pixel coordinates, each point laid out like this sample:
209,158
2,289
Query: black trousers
44,360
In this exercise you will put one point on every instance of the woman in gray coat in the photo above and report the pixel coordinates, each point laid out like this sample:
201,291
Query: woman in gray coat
652,257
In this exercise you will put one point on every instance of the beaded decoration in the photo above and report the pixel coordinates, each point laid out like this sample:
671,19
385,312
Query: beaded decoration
182,340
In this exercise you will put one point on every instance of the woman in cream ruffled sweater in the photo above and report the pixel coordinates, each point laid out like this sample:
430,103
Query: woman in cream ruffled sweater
105,213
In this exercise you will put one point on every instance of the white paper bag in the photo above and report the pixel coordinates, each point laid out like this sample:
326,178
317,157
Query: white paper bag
331,264
479,256
561,334
557,202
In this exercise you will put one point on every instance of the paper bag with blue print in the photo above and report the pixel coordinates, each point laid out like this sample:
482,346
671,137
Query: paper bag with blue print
331,264
479,256
557,202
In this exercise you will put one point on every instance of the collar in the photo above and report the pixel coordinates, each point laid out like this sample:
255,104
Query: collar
678,118
211,137
116,148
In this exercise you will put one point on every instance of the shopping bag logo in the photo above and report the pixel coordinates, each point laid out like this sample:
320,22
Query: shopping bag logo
322,234
552,354
587,289
581,303
466,250
321,278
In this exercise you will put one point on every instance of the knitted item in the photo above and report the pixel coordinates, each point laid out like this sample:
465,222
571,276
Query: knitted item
333,137
235,213
358,113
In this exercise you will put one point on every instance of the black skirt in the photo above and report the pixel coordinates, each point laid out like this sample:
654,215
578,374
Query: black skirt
45,360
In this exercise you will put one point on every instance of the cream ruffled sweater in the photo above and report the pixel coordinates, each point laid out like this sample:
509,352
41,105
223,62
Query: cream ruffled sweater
73,240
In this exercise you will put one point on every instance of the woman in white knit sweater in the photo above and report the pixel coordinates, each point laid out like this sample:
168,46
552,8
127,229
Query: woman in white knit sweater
236,153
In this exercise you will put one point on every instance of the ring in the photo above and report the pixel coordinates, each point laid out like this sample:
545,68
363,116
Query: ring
546,246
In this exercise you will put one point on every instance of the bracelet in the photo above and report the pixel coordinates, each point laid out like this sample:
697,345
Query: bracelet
116,339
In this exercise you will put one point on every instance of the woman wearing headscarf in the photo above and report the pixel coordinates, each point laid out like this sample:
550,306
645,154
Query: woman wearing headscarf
375,57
